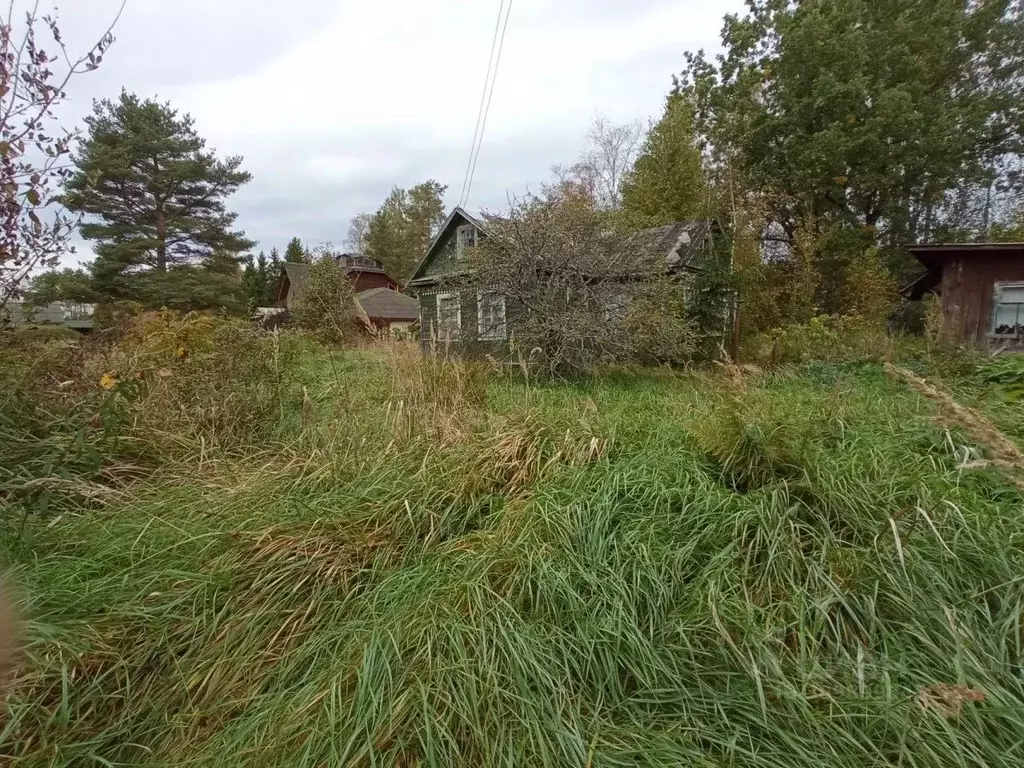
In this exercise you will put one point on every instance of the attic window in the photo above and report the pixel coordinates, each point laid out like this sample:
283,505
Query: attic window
1008,318
465,238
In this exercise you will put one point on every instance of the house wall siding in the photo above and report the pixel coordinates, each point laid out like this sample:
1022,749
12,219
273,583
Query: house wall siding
366,281
968,293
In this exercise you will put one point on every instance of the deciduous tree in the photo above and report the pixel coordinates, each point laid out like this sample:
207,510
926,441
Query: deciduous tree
667,182
605,164
358,231
326,307
34,149
858,118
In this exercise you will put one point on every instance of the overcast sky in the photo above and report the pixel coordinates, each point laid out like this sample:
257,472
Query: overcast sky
333,102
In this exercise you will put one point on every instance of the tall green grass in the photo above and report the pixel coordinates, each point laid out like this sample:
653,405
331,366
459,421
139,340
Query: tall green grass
430,565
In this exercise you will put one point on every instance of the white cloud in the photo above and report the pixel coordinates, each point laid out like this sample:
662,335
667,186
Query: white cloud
332,103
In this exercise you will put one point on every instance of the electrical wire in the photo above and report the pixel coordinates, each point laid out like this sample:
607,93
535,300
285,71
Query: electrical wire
493,63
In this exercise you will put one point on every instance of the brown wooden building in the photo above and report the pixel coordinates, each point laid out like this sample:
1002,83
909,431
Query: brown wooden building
981,290
378,301
364,273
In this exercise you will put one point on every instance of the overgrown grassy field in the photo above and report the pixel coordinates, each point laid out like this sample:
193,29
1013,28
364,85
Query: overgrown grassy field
420,563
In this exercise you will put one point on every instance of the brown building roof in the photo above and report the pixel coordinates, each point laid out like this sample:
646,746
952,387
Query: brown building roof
933,256
385,304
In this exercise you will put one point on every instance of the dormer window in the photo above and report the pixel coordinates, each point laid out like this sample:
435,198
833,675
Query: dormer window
465,238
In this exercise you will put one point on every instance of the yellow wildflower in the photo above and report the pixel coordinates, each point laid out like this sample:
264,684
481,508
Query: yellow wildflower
108,381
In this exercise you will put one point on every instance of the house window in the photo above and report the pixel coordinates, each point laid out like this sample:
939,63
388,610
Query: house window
490,313
1008,318
465,238
616,307
449,315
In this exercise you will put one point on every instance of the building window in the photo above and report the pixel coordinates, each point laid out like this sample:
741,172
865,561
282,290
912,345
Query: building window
1008,318
465,238
449,315
616,307
490,313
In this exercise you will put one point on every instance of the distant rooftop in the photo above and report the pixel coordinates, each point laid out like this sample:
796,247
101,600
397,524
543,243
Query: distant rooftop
358,261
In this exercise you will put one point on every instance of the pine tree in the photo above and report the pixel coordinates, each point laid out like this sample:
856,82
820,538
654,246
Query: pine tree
263,279
251,282
273,278
295,252
153,197
400,231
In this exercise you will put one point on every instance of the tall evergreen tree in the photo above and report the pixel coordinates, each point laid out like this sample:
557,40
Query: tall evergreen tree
153,196
273,276
296,252
400,231
259,281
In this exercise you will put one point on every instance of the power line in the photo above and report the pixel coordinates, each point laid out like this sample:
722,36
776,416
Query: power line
485,100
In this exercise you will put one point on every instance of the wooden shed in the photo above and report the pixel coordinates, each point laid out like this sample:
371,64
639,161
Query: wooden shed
981,290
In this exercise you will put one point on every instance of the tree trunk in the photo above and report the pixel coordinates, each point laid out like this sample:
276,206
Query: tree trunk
161,236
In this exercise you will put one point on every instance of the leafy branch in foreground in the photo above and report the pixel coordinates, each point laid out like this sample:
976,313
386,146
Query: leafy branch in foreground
34,152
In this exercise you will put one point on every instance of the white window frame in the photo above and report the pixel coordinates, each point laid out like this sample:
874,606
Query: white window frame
996,303
497,332
461,248
458,315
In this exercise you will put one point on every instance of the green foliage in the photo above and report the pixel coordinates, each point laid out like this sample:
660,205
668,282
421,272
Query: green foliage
709,300
296,252
79,420
826,338
68,284
667,182
154,197
401,230
1006,374
871,291
861,116
259,280
326,308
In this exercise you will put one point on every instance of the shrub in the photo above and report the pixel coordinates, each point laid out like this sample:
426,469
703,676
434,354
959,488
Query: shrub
582,295
826,338
326,307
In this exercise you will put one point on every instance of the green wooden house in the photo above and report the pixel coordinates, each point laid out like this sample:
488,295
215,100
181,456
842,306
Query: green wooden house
479,323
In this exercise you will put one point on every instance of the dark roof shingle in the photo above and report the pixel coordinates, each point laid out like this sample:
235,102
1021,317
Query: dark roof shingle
385,304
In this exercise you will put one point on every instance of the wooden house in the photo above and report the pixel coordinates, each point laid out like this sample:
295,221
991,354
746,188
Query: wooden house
364,273
980,288
378,300
481,323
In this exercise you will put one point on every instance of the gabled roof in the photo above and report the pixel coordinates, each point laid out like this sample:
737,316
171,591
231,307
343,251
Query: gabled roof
679,242
386,304
456,218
